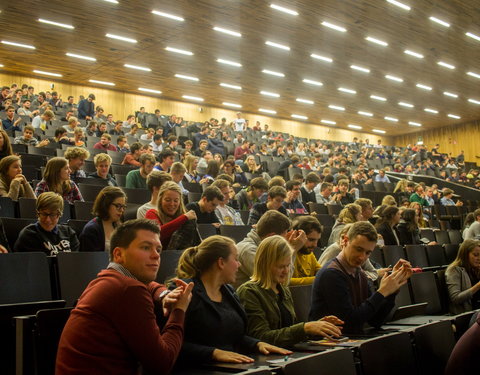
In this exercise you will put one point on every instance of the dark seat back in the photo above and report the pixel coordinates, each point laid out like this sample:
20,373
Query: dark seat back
235,232
302,296
392,253
332,362
424,289
416,255
168,265
436,256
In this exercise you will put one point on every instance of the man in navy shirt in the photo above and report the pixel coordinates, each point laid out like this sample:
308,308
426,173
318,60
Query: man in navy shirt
10,123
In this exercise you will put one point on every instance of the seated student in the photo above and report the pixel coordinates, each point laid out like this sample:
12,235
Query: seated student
177,171
417,207
40,121
113,329
235,172
122,145
132,157
408,231
323,193
46,234
268,301
343,196
10,122
463,278
447,200
28,139
473,231
205,207
308,188
154,181
72,125
291,202
13,183
171,216
60,136
101,130
105,143
419,196
78,137
108,208
215,307
386,225
167,158
250,166
5,145
102,165
226,214
76,157
56,178
157,143
191,163
341,287
138,177
276,196
351,213
246,198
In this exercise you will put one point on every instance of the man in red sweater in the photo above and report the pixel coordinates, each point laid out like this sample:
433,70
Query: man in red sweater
113,329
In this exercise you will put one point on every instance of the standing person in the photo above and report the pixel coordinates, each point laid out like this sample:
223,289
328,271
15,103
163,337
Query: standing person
239,123
113,329
86,108
5,145
108,208
13,183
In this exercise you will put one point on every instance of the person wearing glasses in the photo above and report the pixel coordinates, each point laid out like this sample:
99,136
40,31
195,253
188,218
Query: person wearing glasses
46,234
108,208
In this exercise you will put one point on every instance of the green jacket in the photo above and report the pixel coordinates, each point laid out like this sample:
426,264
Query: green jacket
264,318
417,198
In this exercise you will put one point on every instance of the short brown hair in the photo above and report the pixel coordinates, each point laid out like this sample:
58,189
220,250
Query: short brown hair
157,178
277,191
50,201
126,232
362,228
76,152
212,192
147,157
258,183
307,223
272,221
312,177
276,181
104,199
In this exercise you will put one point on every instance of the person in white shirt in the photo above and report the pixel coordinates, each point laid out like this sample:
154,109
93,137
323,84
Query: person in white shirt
155,180
239,123
157,143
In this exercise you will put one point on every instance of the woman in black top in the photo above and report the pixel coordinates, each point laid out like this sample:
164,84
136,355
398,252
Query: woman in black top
408,231
5,145
389,218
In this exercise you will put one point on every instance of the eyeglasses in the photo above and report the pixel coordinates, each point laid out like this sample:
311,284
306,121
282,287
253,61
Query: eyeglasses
44,215
119,206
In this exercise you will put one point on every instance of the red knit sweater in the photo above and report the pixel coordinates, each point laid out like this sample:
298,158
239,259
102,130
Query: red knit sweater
166,230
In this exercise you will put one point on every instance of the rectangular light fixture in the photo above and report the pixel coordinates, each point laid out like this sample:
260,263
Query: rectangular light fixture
168,15
47,73
392,119
329,122
229,62
111,1
283,9
306,101
149,90
359,68
348,91
337,107
405,104
414,54
273,73
399,4
453,116
145,69
101,82
1,65
446,65
393,78
413,123
364,113
379,98
122,38
312,82
352,126
277,45
268,93
473,36
377,41
178,50
48,22
450,94
190,78
378,131
439,21
334,27
229,86
17,44
431,110
299,117
227,31
320,57
472,74
474,101
270,111
232,105
424,87
195,98
81,56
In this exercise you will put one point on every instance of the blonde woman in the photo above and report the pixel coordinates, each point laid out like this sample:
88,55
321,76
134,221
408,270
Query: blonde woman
191,163
13,183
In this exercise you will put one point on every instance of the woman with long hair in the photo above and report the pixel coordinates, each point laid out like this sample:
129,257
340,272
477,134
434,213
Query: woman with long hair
408,230
215,307
351,213
56,178
5,144
422,223
13,183
251,166
191,163
386,225
463,278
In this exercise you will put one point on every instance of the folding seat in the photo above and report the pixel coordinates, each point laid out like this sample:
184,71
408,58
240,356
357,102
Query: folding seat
436,256
338,361
7,207
235,232
392,254
451,251
379,186
122,169
416,255
334,209
83,210
442,237
377,256
301,295
77,225
137,196
194,197
244,215
206,230
455,236
91,181
318,208
121,179
117,157
424,289
326,220
427,233
326,231
168,265
32,150
12,227
89,192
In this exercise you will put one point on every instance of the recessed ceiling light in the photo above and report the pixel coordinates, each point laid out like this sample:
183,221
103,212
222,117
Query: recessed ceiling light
81,56
273,73
272,112
379,98
1,65
168,15
393,78
48,22
312,82
306,101
320,57
277,45
446,65
348,91
300,117
329,122
195,98
178,50
439,21
359,68
268,93
334,27
47,73
474,36
352,126
376,41
122,38
474,101
399,4
405,104
190,78
414,54
413,123
227,31
337,107
137,67
284,10
229,62
378,131
364,113
17,44
227,85
101,82
472,74
453,116
451,94
424,87
431,110
149,90
111,1
232,105
393,119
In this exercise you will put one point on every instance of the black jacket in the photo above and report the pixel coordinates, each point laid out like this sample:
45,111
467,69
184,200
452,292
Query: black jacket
407,237
387,233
